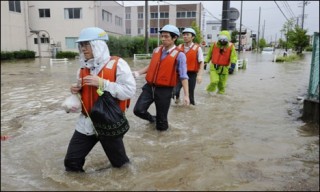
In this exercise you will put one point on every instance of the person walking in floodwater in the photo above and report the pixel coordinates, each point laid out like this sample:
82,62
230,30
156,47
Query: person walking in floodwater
167,65
221,54
195,65
108,73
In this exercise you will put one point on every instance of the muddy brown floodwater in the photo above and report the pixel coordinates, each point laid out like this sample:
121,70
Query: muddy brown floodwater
251,138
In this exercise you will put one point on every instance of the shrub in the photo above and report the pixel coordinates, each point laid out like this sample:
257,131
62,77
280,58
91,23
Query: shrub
5,55
288,58
66,54
22,54
309,48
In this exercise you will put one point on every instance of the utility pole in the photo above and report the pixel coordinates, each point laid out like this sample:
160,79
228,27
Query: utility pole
264,25
239,46
146,26
225,15
258,29
304,4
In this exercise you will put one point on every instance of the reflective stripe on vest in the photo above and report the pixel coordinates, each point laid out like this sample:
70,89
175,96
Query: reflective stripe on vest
89,93
221,58
163,73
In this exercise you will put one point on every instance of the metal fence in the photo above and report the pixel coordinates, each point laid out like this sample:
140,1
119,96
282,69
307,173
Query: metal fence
313,91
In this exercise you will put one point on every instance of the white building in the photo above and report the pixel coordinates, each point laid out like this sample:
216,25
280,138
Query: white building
213,28
56,24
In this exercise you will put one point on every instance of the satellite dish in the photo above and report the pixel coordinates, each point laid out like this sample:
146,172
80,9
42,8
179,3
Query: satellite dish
233,14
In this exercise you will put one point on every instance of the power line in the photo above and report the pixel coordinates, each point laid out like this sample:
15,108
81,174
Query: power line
286,5
212,14
281,11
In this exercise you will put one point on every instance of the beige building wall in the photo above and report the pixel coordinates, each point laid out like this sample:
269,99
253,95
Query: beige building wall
133,23
13,28
16,27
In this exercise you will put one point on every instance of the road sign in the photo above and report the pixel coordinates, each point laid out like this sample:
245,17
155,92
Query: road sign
233,14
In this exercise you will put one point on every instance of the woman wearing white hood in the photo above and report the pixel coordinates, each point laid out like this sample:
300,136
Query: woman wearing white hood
94,75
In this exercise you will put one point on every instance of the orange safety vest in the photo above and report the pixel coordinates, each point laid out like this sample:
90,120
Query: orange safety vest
163,73
221,58
89,94
192,55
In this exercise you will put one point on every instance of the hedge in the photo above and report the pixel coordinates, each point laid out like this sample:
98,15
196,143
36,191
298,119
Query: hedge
22,54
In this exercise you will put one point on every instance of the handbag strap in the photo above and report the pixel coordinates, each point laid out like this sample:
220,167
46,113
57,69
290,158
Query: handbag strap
87,114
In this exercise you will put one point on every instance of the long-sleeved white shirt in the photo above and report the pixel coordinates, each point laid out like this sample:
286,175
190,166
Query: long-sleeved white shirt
123,88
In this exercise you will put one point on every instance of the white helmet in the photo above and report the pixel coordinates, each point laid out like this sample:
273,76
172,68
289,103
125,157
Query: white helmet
189,30
92,33
170,28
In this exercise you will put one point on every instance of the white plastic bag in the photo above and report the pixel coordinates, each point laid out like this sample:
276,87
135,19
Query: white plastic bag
72,104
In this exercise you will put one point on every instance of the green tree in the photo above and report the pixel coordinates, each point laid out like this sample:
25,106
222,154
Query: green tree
198,38
287,29
234,38
262,43
299,39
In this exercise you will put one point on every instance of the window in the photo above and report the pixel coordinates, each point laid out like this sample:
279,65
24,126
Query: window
42,39
71,42
153,15
140,15
153,30
44,13
106,16
209,36
140,31
128,15
214,27
118,21
72,13
15,6
164,15
128,31
186,14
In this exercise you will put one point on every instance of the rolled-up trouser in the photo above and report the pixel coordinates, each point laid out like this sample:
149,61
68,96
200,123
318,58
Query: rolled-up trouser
161,96
80,145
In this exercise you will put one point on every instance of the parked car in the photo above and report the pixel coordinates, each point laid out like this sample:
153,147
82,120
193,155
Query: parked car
267,50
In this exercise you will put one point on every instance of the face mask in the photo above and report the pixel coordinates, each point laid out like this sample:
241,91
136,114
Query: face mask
223,42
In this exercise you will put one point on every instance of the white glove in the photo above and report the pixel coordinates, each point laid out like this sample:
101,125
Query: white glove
135,74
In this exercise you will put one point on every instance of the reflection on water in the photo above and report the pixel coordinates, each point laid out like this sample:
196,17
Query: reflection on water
249,139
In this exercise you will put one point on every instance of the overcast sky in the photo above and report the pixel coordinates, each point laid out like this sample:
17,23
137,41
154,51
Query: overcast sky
270,14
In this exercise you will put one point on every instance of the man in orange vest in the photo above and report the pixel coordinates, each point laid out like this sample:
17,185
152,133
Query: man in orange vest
167,66
95,75
194,56
221,54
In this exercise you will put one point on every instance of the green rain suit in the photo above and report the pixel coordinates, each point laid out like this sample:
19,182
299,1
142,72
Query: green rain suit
219,74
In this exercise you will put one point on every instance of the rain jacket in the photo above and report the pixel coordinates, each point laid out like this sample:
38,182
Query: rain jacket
233,55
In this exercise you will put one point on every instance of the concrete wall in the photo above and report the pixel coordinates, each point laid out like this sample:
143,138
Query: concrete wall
16,27
13,28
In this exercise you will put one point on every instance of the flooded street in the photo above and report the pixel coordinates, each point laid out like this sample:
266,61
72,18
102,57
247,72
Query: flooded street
251,138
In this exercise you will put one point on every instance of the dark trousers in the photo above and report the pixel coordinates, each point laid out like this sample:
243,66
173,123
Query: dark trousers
161,96
192,84
80,145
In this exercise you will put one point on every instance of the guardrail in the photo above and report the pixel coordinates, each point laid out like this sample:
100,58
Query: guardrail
142,56
64,60
242,64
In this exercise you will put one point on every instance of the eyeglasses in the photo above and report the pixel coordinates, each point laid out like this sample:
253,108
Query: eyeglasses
85,44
